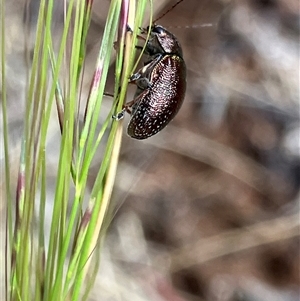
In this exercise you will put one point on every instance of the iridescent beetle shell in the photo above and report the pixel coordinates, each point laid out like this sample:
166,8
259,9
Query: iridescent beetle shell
161,85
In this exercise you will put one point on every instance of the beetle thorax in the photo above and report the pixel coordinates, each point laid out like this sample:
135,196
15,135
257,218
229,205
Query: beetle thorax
162,41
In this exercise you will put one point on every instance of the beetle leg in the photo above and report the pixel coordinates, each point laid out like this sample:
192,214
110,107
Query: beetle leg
142,82
131,104
145,72
108,94
141,37
129,29
153,61
119,115
139,47
134,77
127,107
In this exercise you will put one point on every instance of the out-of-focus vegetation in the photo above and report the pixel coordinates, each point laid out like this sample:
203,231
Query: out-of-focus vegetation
208,209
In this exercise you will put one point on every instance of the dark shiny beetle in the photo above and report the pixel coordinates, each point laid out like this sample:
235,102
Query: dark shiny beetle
161,85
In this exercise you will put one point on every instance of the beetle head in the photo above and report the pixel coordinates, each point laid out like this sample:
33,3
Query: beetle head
162,41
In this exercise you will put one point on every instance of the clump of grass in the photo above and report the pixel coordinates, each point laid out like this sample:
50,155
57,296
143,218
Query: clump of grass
37,269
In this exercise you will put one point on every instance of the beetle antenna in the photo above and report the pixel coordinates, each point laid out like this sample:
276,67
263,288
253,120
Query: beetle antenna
167,11
194,25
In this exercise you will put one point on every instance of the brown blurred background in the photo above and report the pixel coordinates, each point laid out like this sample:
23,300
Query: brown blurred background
208,209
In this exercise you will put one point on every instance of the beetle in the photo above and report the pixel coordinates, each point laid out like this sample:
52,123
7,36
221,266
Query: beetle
161,85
